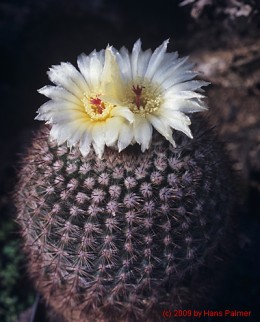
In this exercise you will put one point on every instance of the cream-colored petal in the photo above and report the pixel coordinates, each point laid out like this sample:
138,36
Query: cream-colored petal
176,79
182,95
167,68
98,135
123,59
67,76
142,132
85,142
64,131
126,135
162,126
58,93
156,59
143,62
60,133
79,131
91,67
67,116
188,86
135,57
184,105
50,108
178,121
124,112
110,69
139,60
112,128
111,83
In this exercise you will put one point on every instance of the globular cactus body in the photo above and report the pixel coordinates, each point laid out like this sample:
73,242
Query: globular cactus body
117,239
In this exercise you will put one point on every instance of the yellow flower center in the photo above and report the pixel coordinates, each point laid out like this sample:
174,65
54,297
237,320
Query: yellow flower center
95,108
142,97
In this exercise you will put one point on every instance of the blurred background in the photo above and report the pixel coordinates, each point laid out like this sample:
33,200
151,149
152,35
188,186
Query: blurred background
222,37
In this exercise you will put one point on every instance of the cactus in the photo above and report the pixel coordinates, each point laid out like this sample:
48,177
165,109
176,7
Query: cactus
120,221
122,238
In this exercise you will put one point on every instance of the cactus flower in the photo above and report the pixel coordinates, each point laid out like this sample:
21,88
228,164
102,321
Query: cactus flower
82,109
159,90
117,98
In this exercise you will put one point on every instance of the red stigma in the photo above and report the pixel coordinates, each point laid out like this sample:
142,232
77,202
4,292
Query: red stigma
98,104
138,91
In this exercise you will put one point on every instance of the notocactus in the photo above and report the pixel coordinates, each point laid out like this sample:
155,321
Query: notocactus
120,236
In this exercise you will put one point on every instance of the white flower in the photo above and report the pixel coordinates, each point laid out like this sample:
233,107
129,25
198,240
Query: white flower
117,98
159,90
83,109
